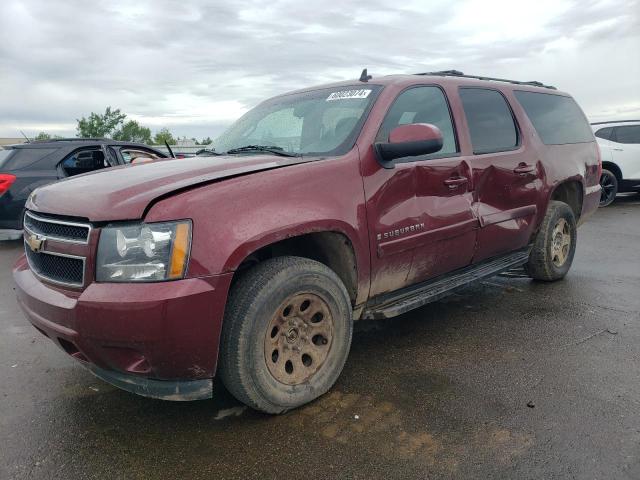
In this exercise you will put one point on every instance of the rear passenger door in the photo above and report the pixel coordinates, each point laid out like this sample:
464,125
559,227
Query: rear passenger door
506,174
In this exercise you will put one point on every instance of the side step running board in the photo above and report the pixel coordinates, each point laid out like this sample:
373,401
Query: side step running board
401,301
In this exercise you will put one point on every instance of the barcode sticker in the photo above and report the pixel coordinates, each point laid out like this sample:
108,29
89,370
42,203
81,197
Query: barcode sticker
348,94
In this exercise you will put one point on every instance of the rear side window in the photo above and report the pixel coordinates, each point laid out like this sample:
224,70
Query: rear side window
490,120
604,133
18,158
557,119
627,134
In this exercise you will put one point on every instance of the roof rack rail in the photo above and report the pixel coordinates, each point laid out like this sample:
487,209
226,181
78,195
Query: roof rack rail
72,139
615,121
458,73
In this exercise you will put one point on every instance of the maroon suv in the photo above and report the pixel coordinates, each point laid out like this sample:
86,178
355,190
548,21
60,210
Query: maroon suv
355,200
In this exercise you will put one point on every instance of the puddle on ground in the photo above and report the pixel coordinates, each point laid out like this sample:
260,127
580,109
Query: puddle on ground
348,419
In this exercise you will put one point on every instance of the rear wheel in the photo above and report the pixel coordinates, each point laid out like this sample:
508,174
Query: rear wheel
608,188
286,334
555,244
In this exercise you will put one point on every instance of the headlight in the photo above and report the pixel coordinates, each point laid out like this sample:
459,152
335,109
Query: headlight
143,252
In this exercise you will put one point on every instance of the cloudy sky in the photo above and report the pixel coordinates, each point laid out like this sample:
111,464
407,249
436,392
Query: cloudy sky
195,66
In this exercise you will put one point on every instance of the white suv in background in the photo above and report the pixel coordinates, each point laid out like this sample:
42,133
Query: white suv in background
620,147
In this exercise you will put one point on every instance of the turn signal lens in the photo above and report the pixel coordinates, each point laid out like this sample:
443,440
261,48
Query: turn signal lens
180,251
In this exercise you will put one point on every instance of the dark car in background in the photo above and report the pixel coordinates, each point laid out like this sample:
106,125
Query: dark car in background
27,166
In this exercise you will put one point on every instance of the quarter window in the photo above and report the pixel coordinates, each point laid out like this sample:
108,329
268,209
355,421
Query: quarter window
604,133
627,134
422,105
4,155
557,119
490,121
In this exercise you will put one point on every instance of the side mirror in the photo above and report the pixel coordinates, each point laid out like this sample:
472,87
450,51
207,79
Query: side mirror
409,140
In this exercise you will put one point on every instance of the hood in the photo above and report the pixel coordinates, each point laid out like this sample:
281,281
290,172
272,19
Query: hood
124,192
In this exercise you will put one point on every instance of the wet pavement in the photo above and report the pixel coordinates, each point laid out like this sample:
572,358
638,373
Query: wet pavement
507,379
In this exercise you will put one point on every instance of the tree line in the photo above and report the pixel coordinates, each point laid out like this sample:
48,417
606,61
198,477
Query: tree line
114,124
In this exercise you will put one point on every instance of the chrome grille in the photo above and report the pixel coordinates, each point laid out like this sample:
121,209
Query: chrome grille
56,229
56,267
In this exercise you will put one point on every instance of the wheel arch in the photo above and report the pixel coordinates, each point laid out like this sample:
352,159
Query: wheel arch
613,168
332,247
570,192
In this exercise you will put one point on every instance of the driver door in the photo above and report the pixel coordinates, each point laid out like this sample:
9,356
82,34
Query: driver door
420,218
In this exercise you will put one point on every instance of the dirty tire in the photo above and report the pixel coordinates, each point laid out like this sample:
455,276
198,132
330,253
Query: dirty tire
256,299
609,188
547,262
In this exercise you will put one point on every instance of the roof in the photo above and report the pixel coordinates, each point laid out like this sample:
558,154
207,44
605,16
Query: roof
441,77
63,142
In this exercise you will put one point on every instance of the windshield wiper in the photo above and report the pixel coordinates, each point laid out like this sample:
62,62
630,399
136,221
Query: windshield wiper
207,152
263,148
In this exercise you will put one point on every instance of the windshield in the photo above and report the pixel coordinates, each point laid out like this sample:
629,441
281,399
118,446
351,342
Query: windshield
321,122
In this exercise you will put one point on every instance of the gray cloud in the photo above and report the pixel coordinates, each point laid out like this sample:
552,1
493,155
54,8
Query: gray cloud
194,66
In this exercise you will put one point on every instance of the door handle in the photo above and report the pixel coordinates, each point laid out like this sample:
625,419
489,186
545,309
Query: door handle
523,169
455,182
619,149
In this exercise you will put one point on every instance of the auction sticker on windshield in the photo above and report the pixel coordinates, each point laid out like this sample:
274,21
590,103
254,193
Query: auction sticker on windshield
348,94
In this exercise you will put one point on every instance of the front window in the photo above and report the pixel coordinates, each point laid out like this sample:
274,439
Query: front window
423,104
319,122
84,161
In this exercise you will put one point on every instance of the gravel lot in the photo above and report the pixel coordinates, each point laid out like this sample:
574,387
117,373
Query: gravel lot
508,379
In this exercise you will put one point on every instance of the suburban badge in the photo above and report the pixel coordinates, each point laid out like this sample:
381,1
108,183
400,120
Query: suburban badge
401,231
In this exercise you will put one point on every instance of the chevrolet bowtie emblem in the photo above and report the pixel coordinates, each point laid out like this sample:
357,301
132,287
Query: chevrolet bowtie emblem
35,242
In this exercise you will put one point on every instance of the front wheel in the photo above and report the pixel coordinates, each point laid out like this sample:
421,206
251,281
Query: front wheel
608,188
555,244
286,334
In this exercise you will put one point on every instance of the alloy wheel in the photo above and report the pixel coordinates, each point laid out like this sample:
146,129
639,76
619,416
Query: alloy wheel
608,188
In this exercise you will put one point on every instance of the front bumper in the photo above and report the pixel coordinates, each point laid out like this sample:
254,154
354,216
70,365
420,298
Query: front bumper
175,390
155,339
